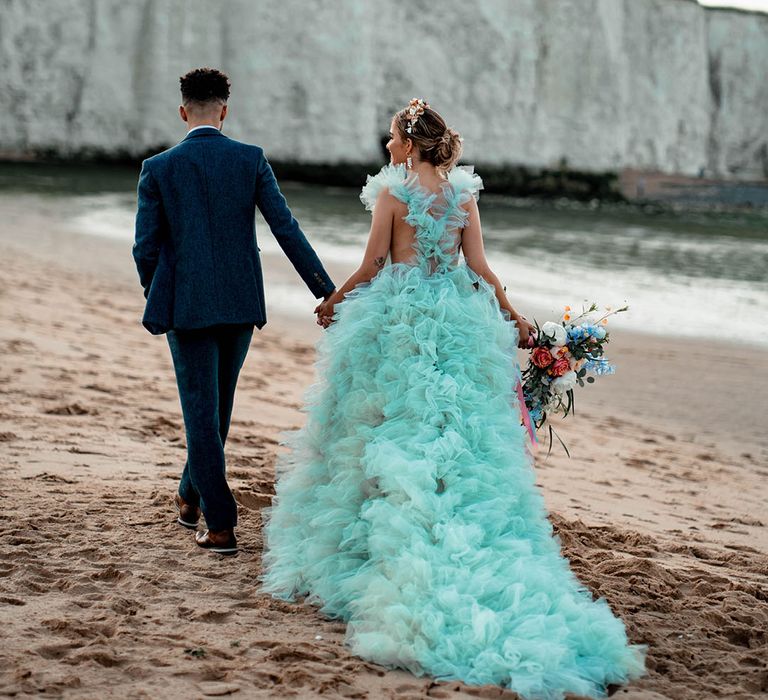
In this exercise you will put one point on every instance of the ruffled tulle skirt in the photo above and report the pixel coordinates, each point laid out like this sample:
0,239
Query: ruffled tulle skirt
407,504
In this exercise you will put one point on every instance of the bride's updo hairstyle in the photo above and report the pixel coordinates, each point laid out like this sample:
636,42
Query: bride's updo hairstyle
437,143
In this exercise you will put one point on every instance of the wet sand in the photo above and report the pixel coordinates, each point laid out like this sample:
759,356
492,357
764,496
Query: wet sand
661,508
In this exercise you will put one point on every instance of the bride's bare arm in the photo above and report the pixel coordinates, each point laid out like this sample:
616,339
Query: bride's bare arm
379,241
474,253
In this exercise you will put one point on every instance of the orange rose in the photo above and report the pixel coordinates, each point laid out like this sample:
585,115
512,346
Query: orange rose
541,357
560,367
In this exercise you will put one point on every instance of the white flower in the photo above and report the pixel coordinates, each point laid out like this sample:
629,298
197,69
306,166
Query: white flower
555,331
564,383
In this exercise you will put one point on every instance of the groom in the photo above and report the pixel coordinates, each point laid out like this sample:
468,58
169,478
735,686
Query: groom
198,263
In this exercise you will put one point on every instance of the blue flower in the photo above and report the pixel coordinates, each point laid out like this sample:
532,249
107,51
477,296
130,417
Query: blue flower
599,366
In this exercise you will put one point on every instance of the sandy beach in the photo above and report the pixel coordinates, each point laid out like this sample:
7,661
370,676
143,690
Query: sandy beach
661,508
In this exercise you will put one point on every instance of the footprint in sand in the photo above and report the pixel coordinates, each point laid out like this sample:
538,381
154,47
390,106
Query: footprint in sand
252,500
101,654
72,409
55,652
212,616
8,600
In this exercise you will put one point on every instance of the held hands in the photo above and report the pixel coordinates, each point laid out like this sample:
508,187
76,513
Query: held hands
324,311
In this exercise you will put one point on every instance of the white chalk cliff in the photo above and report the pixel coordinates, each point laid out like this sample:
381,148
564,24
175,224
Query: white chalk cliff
606,84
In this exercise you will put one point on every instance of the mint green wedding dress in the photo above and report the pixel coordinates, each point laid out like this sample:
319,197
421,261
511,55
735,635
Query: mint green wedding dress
407,504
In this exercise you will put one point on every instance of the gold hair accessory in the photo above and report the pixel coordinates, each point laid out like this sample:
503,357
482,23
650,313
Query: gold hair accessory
414,110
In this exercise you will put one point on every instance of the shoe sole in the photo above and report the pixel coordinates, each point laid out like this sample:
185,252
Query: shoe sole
185,523
191,526
219,550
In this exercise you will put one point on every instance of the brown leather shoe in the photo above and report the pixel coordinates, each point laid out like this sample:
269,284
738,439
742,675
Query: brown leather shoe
189,515
219,541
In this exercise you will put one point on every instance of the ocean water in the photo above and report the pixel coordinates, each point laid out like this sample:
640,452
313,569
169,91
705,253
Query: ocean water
694,274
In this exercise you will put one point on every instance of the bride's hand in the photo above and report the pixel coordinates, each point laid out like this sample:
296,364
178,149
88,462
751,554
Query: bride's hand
525,331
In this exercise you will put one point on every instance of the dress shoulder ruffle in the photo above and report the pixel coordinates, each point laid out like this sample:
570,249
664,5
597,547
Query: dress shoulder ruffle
463,178
391,177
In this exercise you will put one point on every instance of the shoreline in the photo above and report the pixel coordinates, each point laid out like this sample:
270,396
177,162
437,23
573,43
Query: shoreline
630,189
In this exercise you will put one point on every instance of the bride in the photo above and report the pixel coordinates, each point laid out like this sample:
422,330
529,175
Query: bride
407,504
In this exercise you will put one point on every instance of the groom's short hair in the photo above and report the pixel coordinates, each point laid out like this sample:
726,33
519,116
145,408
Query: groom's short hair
204,85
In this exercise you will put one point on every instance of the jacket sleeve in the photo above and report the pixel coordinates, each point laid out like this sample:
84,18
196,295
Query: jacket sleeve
285,229
150,228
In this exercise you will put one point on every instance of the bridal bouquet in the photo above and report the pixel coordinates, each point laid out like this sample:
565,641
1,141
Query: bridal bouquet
565,354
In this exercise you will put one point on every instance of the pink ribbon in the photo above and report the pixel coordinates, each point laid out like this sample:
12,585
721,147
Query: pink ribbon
523,408
525,414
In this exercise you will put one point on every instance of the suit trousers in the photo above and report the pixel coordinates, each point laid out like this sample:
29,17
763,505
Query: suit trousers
207,362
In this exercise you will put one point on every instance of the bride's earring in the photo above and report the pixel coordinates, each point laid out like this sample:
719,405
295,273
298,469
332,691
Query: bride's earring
409,163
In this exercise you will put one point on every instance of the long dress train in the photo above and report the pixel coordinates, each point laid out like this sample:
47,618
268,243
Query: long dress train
407,504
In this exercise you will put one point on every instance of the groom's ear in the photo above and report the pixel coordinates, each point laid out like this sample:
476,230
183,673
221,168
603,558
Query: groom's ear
183,113
223,113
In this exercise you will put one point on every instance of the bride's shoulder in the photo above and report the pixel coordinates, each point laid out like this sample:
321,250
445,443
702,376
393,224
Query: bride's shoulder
464,179
390,177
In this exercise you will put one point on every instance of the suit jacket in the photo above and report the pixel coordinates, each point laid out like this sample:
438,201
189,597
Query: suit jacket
195,246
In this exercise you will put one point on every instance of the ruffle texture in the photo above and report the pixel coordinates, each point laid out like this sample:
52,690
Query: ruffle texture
407,505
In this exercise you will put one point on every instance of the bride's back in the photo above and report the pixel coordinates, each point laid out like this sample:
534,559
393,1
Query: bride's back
403,248
428,214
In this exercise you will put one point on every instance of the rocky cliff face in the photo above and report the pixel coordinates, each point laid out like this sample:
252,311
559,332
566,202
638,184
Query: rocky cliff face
605,84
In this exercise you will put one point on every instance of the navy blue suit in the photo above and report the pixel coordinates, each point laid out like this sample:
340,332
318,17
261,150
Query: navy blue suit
199,265
195,246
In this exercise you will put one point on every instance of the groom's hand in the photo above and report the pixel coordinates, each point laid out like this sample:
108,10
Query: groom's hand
319,308
323,302
324,311
325,316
